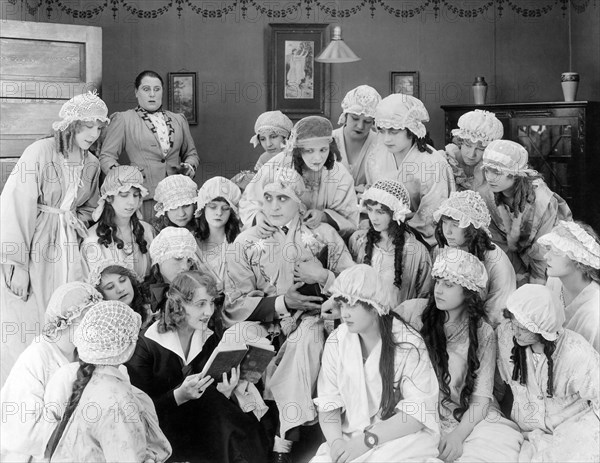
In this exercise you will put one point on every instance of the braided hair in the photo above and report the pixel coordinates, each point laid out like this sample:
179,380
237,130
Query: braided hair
435,339
84,375
519,359
397,233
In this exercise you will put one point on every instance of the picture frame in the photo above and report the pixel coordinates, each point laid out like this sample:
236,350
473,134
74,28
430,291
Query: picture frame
182,95
406,82
296,81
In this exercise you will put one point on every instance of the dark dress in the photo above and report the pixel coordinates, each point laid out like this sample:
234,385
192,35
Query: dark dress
209,429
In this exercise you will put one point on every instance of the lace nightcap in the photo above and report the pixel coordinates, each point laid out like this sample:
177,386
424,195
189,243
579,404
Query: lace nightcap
287,182
362,283
271,122
533,306
400,111
87,107
107,333
66,304
174,191
95,276
310,129
362,101
508,157
173,242
479,127
467,207
392,194
462,268
571,239
218,187
120,179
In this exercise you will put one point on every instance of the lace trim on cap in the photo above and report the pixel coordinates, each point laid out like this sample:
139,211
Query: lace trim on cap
416,127
63,321
398,208
161,210
463,219
475,281
473,137
576,247
353,299
534,327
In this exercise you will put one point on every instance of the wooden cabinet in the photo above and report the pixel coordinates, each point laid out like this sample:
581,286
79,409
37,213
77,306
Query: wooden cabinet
563,141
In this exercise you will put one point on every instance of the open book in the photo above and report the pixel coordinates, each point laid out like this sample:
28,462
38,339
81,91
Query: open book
253,358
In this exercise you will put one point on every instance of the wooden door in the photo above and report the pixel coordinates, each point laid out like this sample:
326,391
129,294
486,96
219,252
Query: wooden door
42,66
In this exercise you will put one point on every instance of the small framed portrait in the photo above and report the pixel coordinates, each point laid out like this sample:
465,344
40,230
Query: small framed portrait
296,81
405,82
182,95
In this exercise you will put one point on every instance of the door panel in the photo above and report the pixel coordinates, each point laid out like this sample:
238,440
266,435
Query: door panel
43,65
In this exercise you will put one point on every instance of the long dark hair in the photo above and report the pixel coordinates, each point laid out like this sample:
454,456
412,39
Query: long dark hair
107,230
299,164
141,75
435,339
519,358
232,227
422,143
390,392
140,298
524,194
84,375
397,233
477,240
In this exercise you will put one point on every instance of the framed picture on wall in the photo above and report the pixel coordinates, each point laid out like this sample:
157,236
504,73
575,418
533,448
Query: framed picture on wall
405,82
182,95
296,81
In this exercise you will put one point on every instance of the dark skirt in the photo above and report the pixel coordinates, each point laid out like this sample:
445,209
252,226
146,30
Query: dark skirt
214,429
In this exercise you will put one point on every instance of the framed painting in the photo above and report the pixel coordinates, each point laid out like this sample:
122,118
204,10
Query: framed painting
182,95
405,82
296,81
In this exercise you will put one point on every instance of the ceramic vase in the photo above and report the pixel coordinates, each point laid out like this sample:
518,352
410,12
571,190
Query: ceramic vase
570,83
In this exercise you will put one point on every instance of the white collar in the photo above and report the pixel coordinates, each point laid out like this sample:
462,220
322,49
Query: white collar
170,341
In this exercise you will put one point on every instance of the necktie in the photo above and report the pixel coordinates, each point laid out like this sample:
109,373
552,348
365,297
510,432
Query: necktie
285,229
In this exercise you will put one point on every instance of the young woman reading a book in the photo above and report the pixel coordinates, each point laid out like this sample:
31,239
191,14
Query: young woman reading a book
196,413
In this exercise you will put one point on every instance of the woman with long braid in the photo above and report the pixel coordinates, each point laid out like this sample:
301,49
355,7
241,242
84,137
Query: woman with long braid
390,245
105,418
554,377
462,348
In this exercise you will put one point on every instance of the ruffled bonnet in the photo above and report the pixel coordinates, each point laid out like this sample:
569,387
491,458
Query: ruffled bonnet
362,283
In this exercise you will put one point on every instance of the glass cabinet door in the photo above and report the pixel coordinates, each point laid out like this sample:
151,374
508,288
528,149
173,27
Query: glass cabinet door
549,142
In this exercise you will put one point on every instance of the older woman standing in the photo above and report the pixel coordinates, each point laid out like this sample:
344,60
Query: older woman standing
403,154
355,139
157,141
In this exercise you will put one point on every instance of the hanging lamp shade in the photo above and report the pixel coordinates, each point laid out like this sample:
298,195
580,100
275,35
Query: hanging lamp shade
337,51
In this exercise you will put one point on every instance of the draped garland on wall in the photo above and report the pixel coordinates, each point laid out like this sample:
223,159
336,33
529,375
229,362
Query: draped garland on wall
396,8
